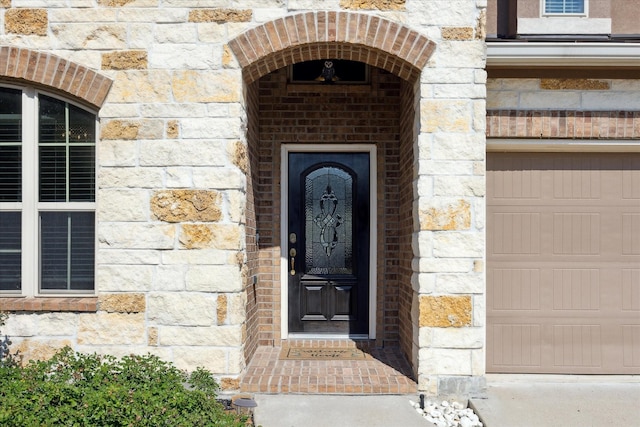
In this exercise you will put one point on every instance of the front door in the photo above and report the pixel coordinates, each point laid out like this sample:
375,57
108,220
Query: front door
328,242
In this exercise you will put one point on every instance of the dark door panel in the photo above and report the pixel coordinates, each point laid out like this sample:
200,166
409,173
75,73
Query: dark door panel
328,229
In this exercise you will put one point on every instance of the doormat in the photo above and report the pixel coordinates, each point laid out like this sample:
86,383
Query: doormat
297,353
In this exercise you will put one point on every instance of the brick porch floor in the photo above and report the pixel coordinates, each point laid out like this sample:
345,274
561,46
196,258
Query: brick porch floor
385,372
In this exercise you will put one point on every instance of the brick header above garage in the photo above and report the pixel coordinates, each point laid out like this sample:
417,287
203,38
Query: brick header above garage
567,124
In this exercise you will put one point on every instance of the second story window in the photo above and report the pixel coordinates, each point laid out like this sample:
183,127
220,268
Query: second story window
564,7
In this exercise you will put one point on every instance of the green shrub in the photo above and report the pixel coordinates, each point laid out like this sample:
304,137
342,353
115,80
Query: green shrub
74,389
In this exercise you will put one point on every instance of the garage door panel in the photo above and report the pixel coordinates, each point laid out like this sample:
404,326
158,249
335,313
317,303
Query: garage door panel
563,250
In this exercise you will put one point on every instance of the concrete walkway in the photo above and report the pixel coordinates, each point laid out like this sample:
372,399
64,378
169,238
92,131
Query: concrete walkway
510,401
559,401
306,410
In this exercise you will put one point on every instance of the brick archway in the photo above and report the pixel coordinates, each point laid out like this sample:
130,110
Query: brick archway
342,35
386,113
54,72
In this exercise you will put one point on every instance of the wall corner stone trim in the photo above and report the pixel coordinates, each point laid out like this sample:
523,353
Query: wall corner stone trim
26,21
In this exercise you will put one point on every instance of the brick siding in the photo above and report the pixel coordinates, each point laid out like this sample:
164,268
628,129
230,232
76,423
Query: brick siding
563,124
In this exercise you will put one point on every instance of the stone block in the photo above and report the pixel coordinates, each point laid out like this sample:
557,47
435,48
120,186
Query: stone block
457,33
124,278
20,325
38,349
221,309
452,186
215,278
457,338
574,84
111,328
459,147
236,308
208,257
442,265
221,16
184,56
117,153
551,100
445,115
445,311
461,387
177,177
426,282
125,60
122,303
56,324
26,21
170,278
136,236
149,86
120,129
216,336
129,177
207,86
221,178
458,245
124,205
212,128
187,205
84,35
128,257
502,99
152,336
202,152
446,215
373,4
439,361
460,283
212,359
229,384
173,129
219,236
181,309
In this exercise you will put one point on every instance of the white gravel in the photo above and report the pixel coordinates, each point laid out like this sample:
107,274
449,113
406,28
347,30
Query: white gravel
447,414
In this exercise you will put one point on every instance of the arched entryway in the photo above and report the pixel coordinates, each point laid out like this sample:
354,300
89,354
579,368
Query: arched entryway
378,116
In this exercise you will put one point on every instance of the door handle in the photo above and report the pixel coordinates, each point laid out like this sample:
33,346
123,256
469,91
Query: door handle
292,253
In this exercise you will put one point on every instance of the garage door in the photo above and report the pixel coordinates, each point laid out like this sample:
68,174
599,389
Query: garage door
563,263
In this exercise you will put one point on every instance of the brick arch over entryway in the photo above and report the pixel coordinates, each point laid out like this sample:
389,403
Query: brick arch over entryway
342,35
54,72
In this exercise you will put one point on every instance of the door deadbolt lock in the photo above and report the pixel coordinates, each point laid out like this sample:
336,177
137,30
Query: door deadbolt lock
293,238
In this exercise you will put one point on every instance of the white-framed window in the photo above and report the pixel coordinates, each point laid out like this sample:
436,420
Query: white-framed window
564,7
47,194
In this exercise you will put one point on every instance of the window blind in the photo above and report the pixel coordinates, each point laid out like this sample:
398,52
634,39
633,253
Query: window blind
67,250
564,6
10,145
66,152
10,251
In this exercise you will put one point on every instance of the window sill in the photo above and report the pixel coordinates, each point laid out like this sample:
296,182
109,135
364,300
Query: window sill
36,304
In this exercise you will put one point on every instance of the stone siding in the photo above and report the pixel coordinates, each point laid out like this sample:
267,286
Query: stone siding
188,252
